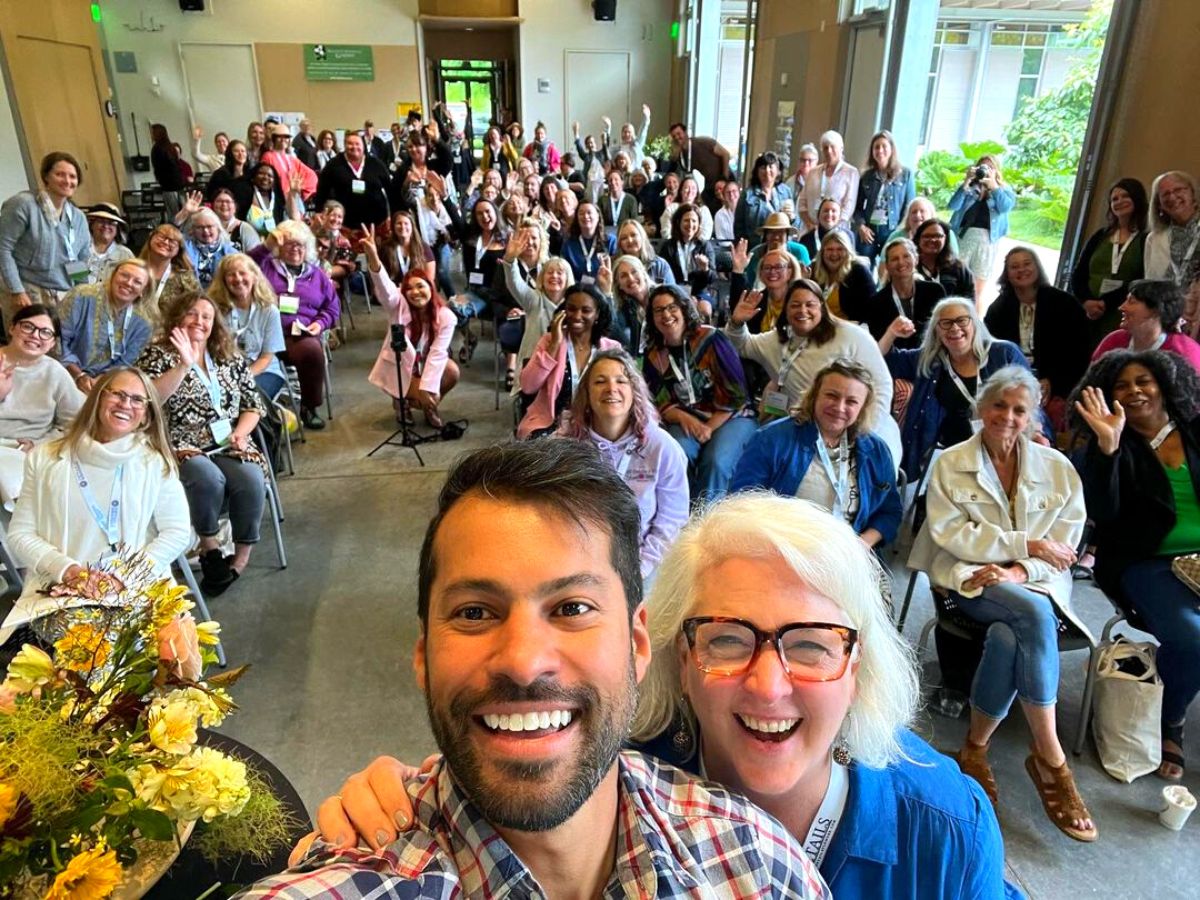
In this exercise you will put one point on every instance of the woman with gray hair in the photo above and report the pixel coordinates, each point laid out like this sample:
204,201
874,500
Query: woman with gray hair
206,244
308,306
777,673
1005,515
834,177
956,355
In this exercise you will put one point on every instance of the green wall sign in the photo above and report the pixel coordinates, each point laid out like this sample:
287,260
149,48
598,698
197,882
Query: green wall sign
338,62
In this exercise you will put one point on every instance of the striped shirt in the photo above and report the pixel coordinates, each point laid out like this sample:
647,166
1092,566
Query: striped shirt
676,837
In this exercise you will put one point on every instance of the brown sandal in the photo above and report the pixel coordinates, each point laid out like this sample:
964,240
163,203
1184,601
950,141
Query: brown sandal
972,760
1060,799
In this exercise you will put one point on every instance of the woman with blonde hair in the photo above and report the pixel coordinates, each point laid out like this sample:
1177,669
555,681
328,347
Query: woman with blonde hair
106,325
251,309
847,283
539,297
110,480
632,240
170,268
631,287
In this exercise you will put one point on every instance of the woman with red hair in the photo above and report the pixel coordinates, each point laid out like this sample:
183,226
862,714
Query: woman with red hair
427,373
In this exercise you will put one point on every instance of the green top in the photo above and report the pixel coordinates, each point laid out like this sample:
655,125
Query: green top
1185,536
1100,264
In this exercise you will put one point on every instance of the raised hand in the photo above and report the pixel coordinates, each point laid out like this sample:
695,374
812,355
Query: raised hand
1107,424
296,183
183,346
741,255
645,110
748,304
604,275
192,202
902,327
197,132
702,261
575,129
369,248
436,183
606,122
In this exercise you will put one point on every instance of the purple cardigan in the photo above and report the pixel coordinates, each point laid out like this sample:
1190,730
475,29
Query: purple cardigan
318,297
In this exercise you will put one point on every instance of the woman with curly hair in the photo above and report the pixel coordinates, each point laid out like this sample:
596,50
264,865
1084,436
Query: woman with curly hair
1141,479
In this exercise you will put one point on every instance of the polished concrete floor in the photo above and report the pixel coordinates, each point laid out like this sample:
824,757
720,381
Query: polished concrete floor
329,641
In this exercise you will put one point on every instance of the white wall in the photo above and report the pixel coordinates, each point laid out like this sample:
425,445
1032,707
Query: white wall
552,26
12,163
229,21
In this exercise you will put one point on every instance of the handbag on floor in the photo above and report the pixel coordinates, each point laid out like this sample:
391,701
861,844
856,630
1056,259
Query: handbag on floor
1127,709
1187,569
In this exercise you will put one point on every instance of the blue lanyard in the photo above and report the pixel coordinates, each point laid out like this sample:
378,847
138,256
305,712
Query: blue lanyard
112,338
839,479
210,382
110,524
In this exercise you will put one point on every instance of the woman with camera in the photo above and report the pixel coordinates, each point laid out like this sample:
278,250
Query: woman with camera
980,209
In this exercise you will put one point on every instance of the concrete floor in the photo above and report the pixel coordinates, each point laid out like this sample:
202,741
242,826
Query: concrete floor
330,638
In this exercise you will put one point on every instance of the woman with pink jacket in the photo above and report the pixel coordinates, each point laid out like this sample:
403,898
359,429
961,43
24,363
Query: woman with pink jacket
427,372
555,371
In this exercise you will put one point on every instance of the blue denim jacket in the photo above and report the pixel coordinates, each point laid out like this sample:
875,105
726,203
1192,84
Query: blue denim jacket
752,210
902,193
998,204
779,454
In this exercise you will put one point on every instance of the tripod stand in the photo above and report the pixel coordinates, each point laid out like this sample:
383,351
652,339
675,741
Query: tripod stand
407,435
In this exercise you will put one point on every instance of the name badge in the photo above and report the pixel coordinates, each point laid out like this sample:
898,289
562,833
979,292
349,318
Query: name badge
78,272
587,279
1110,284
289,304
358,186
775,403
475,278
222,430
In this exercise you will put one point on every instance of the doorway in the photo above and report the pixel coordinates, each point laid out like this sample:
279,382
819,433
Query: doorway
471,90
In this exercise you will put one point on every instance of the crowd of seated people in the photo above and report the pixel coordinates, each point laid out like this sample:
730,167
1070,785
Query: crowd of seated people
819,335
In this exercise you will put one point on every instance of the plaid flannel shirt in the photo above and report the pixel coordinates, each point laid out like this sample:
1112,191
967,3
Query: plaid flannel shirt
676,837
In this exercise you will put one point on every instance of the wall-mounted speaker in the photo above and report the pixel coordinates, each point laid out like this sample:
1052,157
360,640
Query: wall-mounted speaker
605,10
191,5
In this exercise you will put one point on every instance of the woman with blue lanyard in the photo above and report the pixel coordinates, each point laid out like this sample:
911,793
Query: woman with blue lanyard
777,673
250,306
587,245
212,409
854,476
885,189
105,326
110,480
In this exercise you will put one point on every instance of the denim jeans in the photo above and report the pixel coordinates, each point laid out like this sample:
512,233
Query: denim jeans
210,482
1020,652
472,307
711,465
269,382
1170,611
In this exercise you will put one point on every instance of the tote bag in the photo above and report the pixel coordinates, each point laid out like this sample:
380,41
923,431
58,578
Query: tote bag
1127,709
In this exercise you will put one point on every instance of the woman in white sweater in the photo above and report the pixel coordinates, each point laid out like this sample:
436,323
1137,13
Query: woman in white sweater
110,480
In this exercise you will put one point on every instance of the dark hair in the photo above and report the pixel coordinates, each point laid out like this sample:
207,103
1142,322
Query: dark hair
824,331
764,160
566,478
691,315
675,125
418,139
568,159
603,306
1141,204
1042,280
946,257
37,309
413,116
229,161
50,160
158,134
677,218
1177,382
1160,296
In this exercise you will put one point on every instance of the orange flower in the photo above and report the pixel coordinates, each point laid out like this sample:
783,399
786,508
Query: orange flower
179,647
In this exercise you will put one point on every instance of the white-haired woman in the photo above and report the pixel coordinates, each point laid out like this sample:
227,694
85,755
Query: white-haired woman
777,673
834,177
957,354
613,410
539,298
1174,237
308,305
1004,515
207,243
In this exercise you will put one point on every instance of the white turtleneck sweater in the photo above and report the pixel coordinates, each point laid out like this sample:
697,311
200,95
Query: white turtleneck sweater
53,528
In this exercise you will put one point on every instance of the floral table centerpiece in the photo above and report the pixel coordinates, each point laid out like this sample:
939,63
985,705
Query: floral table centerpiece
100,765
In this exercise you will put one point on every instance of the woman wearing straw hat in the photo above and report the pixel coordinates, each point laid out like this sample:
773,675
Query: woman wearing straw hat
776,231
108,232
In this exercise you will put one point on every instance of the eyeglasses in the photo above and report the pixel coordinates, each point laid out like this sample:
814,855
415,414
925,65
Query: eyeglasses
137,401
773,270
27,327
808,651
659,311
931,236
962,323
167,240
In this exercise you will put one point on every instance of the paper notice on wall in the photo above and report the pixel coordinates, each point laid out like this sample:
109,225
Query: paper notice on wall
290,119
786,109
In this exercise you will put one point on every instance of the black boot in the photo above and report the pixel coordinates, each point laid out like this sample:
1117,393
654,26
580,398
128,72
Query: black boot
217,576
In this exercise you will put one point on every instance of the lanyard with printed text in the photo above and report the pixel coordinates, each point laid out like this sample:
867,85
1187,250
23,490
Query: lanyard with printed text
839,477
112,338
109,520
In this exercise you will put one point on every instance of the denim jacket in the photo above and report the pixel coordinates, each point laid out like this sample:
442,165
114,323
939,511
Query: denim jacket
998,203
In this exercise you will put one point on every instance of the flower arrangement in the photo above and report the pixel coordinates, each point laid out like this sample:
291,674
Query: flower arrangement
99,752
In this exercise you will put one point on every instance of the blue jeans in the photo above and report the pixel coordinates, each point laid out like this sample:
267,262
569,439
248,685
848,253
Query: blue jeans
1020,652
1171,613
269,382
472,307
711,465
212,482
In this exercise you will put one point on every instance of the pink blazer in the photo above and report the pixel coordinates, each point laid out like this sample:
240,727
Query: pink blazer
544,375
383,374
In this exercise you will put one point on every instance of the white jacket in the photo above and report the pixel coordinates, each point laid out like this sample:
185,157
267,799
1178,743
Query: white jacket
47,540
967,522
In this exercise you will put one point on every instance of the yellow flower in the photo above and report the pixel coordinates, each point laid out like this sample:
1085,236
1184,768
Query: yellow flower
209,633
172,724
30,668
83,648
91,875
215,785
8,802
167,601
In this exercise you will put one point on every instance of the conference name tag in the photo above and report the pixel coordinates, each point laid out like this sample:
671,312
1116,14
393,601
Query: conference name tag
78,272
775,402
1110,284
222,430
358,186
289,304
587,279
475,278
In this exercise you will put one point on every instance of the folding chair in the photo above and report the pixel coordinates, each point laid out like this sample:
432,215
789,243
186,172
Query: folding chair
328,375
12,571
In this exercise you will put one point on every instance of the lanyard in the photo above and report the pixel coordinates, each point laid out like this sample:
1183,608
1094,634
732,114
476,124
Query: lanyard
900,303
587,254
162,282
235,320
616,209
110,522
112,338
357,172
480,249
684,377
263,203
1118,251
684,251
820,833
68,239
839,478
624,460
288,276
785,364
210,382
1163,434
958,383
573,364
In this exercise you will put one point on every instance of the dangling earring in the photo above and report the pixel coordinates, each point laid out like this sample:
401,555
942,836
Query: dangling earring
841,747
